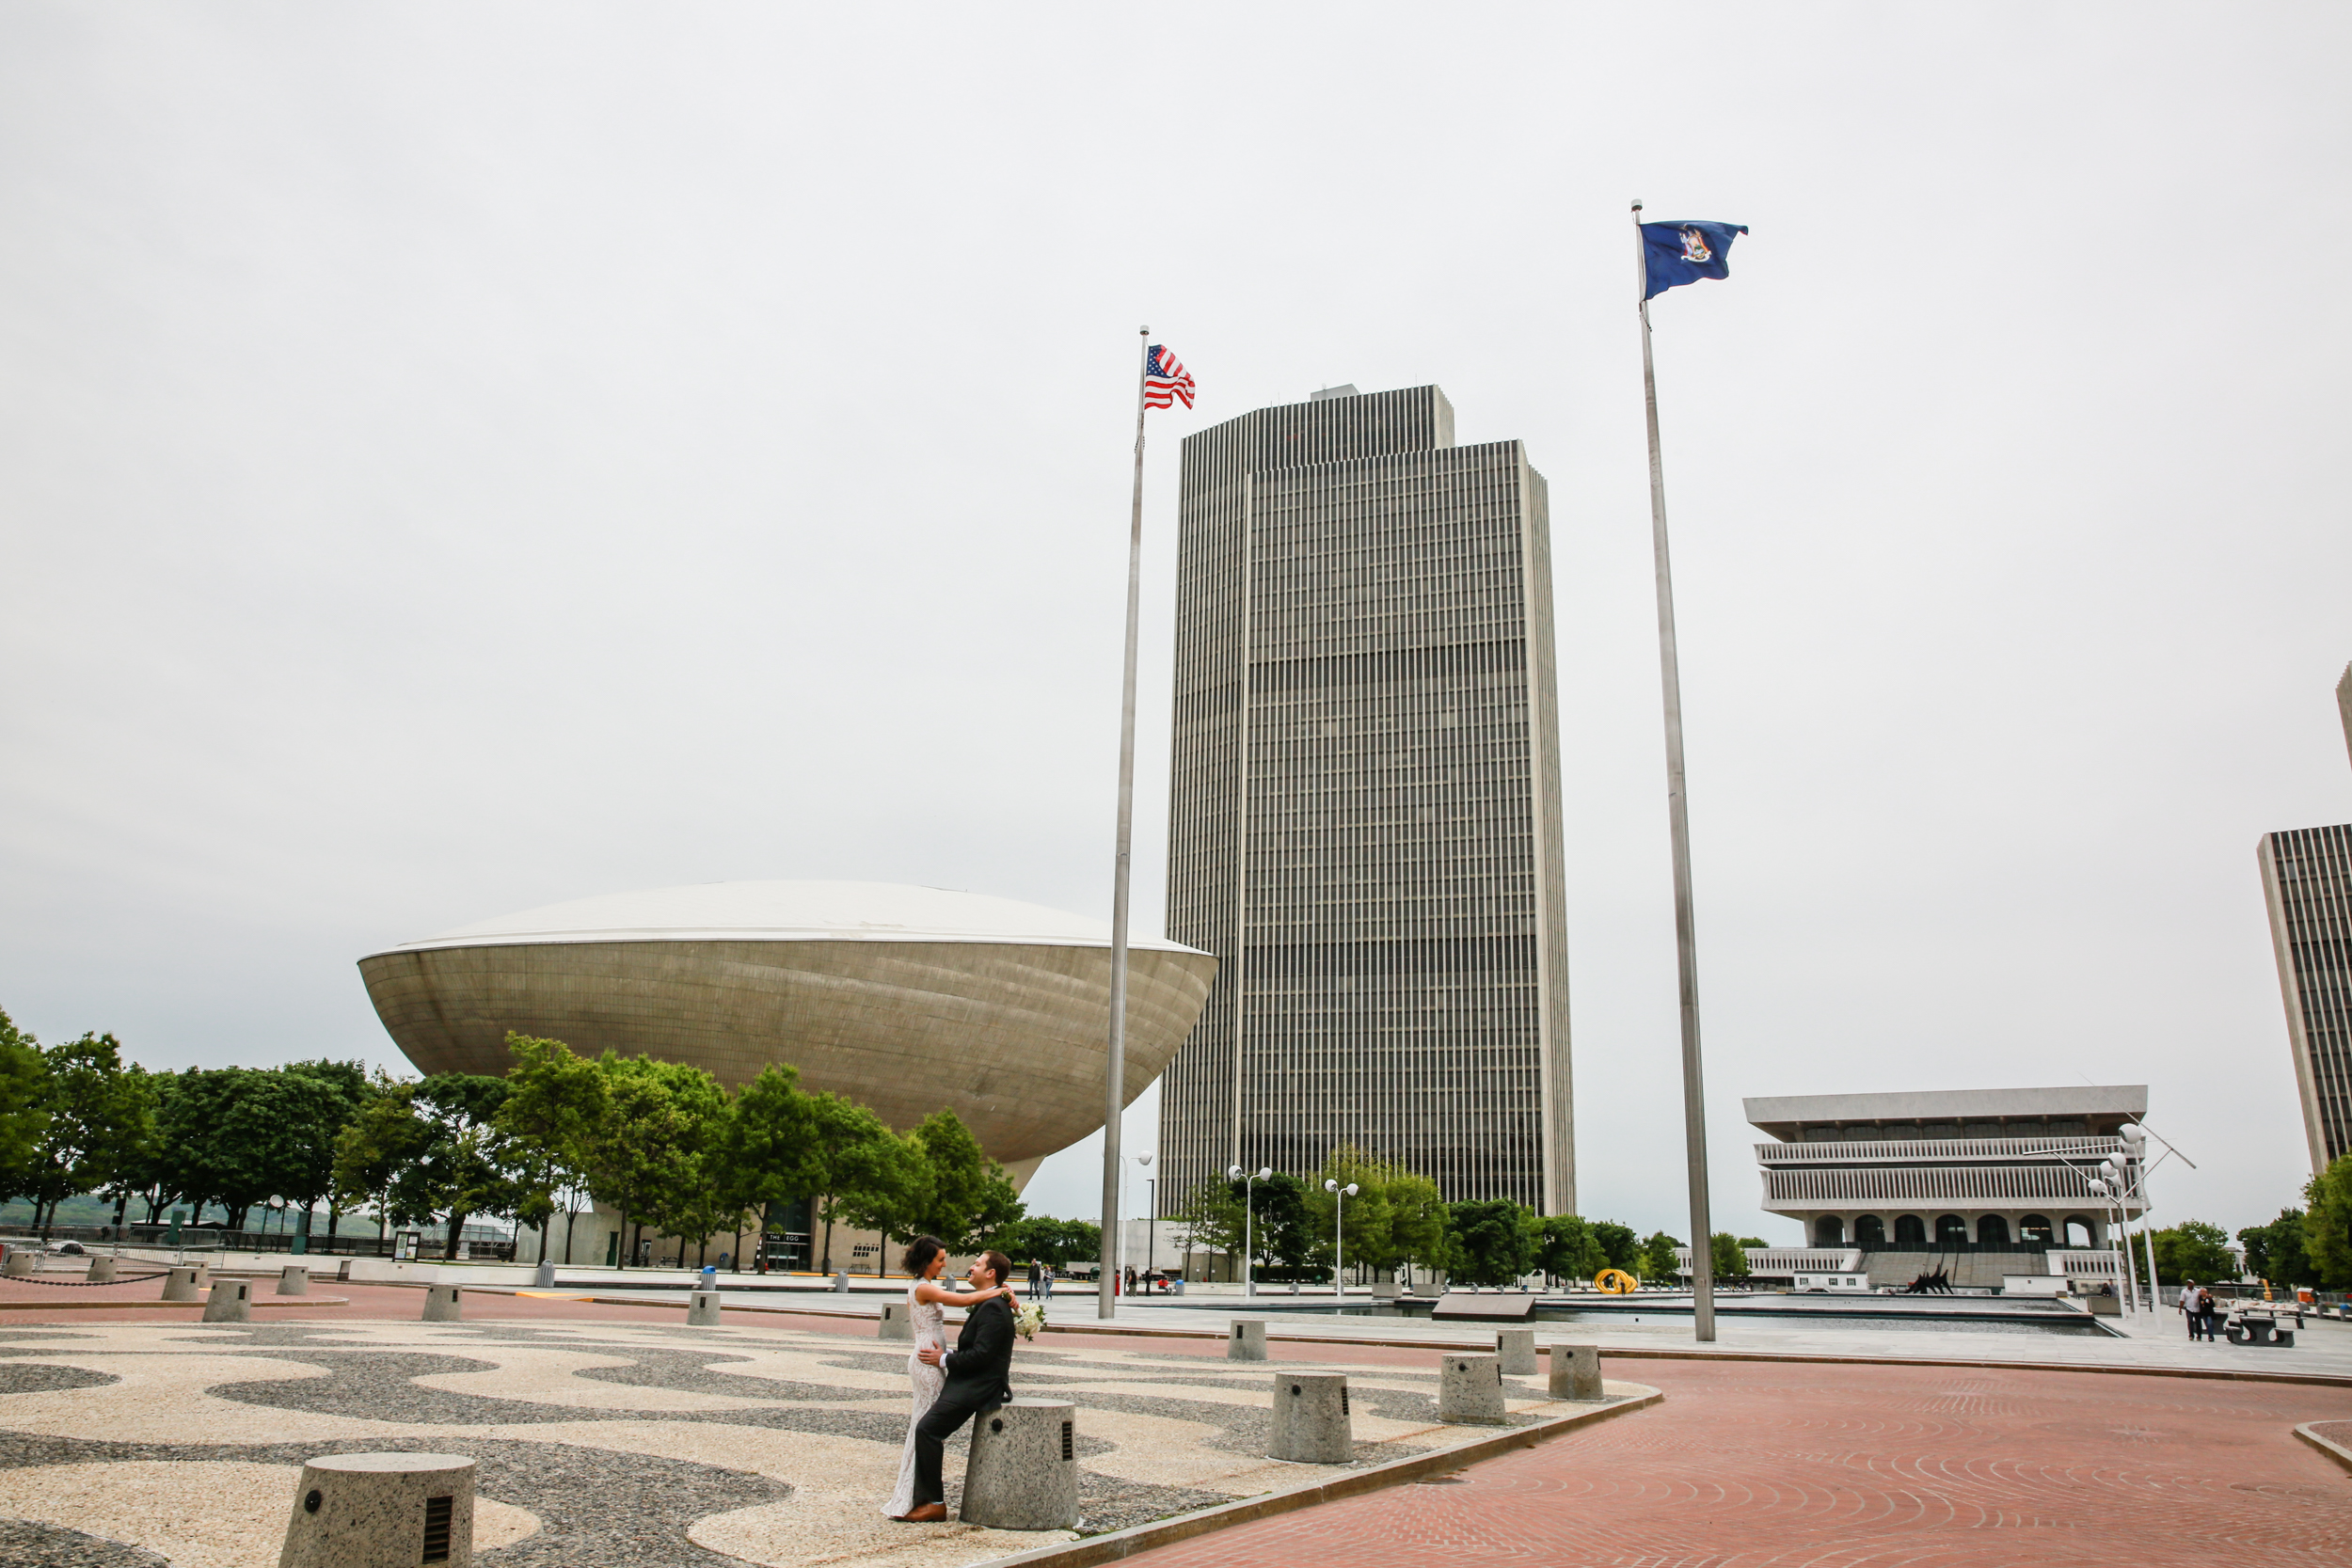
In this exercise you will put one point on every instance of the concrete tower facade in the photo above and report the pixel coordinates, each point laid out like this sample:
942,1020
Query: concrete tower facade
1365,822
2307,883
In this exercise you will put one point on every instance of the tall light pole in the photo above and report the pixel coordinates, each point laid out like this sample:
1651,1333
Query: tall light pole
1339,1231
1249,1222
1151,1227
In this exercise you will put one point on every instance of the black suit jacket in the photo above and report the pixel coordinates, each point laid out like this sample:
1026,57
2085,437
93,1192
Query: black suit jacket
981,1362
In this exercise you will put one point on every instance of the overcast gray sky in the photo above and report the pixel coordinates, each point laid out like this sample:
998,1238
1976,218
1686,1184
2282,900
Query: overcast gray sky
456,458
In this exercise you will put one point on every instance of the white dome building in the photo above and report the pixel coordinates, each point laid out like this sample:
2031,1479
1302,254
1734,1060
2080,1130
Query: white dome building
906,999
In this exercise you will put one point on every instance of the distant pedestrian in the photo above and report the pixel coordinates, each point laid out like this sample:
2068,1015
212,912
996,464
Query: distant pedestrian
2189,1304
2205,1311
1037,1280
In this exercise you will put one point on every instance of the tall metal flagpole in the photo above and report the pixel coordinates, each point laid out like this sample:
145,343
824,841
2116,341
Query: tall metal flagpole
1686,922
1115,1059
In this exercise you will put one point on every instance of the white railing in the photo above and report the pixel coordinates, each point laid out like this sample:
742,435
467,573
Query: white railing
2089,1151
1930,1186
2080,1263
1776,1260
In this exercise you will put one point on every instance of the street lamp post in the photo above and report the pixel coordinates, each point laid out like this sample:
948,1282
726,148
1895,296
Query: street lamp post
1339,1231
1151,1225
1248,1221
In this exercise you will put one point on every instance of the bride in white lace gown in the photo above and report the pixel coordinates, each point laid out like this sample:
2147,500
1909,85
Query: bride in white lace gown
927,1308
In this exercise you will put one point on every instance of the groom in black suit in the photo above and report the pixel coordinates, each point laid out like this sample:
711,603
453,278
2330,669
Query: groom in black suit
977,1370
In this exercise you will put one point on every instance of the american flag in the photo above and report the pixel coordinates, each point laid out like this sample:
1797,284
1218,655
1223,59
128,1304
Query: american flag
1165,379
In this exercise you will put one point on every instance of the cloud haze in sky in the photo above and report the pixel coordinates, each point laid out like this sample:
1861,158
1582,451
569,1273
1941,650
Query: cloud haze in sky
455,459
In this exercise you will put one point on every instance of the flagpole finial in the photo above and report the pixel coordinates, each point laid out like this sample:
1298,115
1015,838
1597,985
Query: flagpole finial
1637,204
1143,332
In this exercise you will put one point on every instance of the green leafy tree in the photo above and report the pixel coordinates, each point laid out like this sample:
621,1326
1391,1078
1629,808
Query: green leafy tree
458,1162
231,1137
769,1143
1417,1219
24,1108
1489,1241
1049,1241
1726,1255
93,1123
653,1155
859,1170
2194,1250
138,1149
556,1100
2327,1224
381,1142
1284,1232
1656,1259
1362,1223
322,1098
1565,1249
1620,1248
2276,1251
951,1189
1210,1219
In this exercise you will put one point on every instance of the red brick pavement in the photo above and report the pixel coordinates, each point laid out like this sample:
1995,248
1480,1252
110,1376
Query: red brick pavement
1752,1464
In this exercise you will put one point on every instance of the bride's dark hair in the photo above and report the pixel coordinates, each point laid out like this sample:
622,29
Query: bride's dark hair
920,1251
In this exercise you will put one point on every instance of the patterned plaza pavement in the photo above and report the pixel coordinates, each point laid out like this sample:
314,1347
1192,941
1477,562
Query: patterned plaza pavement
132,1436
1756,1465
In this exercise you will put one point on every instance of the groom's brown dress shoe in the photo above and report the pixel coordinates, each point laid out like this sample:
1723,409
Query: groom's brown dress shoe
930,1513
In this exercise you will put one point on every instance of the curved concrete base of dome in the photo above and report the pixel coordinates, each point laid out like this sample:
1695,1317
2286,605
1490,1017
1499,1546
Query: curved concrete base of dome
1010,1036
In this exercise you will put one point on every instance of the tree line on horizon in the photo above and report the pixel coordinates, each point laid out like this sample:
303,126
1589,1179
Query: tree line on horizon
664,1143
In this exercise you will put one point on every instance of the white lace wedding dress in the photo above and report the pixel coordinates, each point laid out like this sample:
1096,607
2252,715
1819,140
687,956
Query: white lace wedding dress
930,1328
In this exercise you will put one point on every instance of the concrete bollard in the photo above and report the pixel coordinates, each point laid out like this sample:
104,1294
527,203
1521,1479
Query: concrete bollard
1310,1421
1470,1388
542,1277
180,1284
702,1309
1024,1469
382,1511
441,1304
1515,1347
343,1272
23,1264
1576,1372
1246,1342
102,1270
231,1302
896,1322
295,1280
841,1281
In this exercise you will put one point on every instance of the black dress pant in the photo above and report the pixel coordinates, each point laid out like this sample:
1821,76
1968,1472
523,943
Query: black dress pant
956,1404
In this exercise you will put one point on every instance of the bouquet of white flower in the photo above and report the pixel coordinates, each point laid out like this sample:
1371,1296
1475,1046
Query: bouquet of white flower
1029,1319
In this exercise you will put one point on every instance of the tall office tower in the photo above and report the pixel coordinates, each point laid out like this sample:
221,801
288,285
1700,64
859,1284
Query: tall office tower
1365,821
2307,882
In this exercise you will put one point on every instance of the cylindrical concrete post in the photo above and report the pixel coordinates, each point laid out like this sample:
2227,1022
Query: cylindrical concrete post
1310,1423
180,1285
896,1322
295,1280
542,1277
1516,1348
1024,1469
841,1281
382,1511
1576,1372
702,1309
231,1302
1246,1342
1470,1388
102,1270
441,1304
23,1262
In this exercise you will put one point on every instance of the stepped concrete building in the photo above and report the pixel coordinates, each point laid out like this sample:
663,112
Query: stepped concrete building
1968,1180
2307,883
1365,822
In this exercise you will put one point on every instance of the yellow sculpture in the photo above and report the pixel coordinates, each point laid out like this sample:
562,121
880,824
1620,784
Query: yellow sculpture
1615,1282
